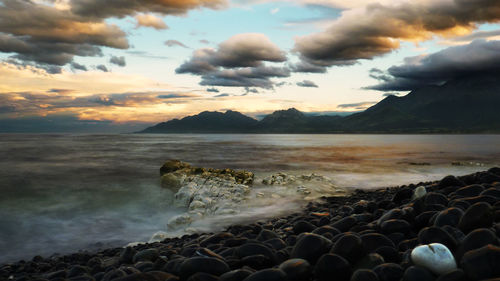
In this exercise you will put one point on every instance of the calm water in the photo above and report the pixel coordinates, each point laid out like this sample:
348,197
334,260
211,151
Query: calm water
62,193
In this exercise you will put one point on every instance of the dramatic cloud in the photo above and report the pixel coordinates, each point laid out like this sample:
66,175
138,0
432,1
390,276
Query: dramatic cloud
378,29
120,61
173,43
102,68
477,58
357,106
78,66
122,8
212,90
147,20
238,62
307,84
47,35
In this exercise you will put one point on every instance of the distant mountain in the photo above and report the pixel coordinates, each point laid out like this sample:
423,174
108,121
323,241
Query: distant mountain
467,105
206,122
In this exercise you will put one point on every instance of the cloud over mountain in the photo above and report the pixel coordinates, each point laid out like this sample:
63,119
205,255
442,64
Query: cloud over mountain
478,58
238,62
377,29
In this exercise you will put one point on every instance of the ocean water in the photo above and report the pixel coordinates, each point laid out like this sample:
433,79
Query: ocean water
61,193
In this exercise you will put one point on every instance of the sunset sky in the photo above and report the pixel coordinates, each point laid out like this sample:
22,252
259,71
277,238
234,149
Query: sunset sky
120,65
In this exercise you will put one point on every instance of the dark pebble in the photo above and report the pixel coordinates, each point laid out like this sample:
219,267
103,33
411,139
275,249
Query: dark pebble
202,276
235,275
470,190
389,272
257,262
364,275
326,229
201,264
372,241
390,254
330,265
417,273
434,234
149,276
450,181
127,255
310,247
369,261
303,226
395,225
482,263
455,275
266,235
344,224
450,216
476,239
146,255
271,274
477,216
296,269
251,249
433,198
350,247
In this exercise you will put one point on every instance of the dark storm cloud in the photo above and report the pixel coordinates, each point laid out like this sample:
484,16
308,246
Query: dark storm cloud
357,106
307,84
378,29
173,43
237,62
120,61
221,96
78,66
176,96
477,58
212,90
476,35
102,68
307,67
122,8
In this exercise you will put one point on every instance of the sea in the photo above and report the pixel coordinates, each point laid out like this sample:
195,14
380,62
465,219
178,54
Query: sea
62,193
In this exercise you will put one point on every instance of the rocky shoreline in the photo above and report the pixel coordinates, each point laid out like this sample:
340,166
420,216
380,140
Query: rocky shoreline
446,230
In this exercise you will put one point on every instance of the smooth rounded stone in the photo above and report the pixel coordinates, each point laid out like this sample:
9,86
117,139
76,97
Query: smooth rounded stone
77,278
390,215
450,181
303,226
235,275
330,265
489,178
408,244
144,266
396,237
434,234
423,219
114,274
470,190
417,273
435,257
148,276
276,243
234,242
146,255
395,225
216,238
326,229
450,216
204,252
369,261
349,246
459,203
482,263
344,224
455,275
481,198
266,235
433,198
127,255
251,249
270,274
390,254
477,216
202,276
402,194
389,272
476,239
456,233
494,192
257,262
296,269
364,275
372,241
419,192
57,274
310,247
201,264
77,270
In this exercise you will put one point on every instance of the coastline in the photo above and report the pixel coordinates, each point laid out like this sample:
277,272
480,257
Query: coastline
362,222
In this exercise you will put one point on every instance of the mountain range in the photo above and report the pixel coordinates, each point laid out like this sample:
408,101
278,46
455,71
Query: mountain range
465,105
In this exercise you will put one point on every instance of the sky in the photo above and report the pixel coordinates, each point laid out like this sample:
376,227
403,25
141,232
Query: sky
121,65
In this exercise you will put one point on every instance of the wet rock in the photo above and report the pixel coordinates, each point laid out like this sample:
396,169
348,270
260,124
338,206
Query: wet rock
477,239
434,234
470,190
455,275
332,265
372,241
390,254
395,225
276,243
369,261
270,274
389,272
491,192
296,269
257,262
477,216
435,257
202,276
201,264
401,195
326,229
417,273
482,263
251,249
344,224
146,255
310,247
450,181
77,270
350,247
450,216
149,276
235,275
364,275
433,198
303,226
266,235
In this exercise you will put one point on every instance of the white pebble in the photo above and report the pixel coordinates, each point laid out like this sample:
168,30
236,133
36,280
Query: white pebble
435,257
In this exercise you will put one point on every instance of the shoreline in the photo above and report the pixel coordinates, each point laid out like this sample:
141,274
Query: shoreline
387,216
